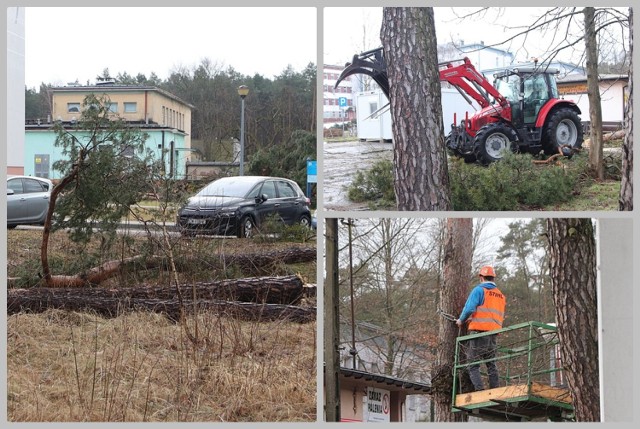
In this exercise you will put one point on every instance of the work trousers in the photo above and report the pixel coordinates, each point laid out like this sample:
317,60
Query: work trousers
478,349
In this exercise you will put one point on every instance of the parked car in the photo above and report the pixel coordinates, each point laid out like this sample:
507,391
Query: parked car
27,200
238,205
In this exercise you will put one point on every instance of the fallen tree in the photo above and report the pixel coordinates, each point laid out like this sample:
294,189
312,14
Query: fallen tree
252,263
255,264
264,298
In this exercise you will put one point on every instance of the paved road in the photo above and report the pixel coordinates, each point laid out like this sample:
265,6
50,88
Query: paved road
341,161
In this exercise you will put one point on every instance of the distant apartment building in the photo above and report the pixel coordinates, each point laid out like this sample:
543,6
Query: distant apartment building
333,111
163,116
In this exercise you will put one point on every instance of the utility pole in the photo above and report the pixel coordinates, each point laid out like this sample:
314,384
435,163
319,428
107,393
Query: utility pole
331,325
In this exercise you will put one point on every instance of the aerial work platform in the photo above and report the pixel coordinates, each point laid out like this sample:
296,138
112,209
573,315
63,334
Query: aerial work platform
533,386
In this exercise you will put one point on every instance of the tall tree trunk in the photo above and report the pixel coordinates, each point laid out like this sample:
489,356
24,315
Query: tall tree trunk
457,269
420,161
626,188
387,237
572,263
593,90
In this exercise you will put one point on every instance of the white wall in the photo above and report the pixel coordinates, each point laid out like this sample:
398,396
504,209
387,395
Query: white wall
380,127
15,89
612,100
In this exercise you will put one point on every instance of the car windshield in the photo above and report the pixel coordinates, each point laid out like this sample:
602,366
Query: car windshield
228,187
509,87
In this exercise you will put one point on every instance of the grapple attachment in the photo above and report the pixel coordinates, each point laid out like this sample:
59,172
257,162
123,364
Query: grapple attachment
370,63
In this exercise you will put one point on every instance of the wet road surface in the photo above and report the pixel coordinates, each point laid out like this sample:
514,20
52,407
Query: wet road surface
341,161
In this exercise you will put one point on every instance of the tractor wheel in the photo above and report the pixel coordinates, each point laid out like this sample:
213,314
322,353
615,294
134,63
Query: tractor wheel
563,129
492,141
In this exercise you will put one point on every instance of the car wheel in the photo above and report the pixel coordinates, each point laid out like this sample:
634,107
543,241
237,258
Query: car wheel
305,221
247,227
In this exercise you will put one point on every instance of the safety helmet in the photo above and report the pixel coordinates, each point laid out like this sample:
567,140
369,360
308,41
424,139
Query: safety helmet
487,271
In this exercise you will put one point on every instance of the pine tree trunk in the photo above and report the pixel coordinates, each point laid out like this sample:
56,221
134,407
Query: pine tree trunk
593,89
420,160
572,263
457,269
255,298
626,188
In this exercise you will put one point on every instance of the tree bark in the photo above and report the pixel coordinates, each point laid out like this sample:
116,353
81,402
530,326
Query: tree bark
572,262
457,269
626,188
593,89
421,179
249,297
256,264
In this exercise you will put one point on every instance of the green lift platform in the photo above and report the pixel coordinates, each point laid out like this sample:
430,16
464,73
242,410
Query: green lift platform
533,386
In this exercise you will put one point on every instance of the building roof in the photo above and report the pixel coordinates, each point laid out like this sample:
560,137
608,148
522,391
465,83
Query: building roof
583,78
105,88
572,68
482,46
390,383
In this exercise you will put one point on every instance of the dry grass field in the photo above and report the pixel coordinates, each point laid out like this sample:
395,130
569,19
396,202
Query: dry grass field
71,366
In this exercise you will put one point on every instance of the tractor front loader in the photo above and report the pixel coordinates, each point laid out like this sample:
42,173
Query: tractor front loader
520,112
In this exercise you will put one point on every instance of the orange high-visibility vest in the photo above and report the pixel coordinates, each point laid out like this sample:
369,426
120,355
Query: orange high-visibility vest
490,314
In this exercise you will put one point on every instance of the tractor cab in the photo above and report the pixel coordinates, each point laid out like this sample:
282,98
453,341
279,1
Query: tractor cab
527,90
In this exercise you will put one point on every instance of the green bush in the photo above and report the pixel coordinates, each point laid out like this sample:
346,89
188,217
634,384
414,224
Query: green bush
273,229
512,183
374,185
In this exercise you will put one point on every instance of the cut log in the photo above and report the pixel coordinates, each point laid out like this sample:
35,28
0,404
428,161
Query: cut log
255,264
268,296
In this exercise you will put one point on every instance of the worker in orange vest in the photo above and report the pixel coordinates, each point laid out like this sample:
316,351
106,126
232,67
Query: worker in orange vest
483,311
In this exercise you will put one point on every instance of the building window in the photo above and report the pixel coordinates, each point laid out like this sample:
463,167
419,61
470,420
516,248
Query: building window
113,107
73,107
130,107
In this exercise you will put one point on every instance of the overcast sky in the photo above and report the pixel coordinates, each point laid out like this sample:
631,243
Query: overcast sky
353,30
65,44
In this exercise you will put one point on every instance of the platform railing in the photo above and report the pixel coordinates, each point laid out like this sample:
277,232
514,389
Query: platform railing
527,352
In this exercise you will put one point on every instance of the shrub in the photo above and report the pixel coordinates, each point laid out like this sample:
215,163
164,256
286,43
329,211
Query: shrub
513,182
374,185
273,229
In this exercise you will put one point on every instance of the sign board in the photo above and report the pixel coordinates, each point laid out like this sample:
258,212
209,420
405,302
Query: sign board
574,88
378,405
312,171
342,101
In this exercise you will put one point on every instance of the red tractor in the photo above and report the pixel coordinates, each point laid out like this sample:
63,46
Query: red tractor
520,112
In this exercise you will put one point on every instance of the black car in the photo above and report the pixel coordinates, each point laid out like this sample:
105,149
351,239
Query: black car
237,205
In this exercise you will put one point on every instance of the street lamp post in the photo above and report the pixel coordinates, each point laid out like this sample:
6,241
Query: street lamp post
243,91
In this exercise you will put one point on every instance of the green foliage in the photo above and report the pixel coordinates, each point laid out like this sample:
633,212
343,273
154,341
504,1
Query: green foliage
288,159
105,168
273,229
512,183
274,108
374,185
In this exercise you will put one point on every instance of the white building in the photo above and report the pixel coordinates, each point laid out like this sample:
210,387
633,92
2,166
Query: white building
333,111
614,92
